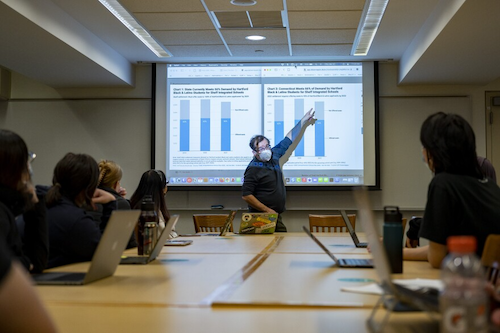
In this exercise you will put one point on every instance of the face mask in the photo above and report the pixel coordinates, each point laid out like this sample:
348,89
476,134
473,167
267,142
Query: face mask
265,155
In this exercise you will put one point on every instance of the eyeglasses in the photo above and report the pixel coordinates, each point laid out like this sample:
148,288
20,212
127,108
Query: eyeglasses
31,156
261,149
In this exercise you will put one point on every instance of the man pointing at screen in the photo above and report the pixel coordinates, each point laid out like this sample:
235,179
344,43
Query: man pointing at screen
263,185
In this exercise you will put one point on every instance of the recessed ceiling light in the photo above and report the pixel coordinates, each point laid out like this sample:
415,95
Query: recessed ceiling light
259,51
243,2
255,37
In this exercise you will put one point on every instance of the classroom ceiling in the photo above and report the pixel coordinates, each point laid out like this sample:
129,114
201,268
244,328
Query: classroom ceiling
79,43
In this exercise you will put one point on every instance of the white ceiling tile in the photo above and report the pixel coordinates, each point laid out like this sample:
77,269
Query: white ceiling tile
159,6
201,51
188,37
324,20
175,21
325,5
337,36
321,50
268,50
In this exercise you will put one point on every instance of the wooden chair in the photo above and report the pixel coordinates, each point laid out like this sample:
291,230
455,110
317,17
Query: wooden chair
491,256
209,222
330,223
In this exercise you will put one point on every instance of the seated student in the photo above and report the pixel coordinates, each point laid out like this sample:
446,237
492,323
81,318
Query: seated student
460,200
17,195
154,183
21,309
412,235
73,233
110,175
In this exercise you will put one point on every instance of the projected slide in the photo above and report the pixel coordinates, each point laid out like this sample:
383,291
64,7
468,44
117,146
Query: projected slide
209,125
335,141
214,109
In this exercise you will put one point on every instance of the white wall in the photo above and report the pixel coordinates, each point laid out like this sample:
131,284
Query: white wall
114,123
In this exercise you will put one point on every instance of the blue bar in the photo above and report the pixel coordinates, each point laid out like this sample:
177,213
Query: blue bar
184,126
299,113
319,128
205,125
225,126
279,120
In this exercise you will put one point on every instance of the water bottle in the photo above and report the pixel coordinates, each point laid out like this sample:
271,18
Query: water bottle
393,238
464,301
147,226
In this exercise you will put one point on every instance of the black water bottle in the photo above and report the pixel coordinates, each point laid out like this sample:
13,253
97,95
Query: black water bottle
393,238
145,229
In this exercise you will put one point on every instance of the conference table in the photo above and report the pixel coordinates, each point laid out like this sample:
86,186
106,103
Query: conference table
239,283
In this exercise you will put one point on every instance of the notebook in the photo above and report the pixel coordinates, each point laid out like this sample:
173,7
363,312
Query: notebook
425,299
258,223
343,263
156,250
106,256
350,228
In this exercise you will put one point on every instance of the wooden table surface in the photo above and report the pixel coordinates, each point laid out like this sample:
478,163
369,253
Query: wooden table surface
268,283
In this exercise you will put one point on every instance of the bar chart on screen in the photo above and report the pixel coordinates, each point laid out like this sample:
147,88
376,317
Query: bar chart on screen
338,122
209,125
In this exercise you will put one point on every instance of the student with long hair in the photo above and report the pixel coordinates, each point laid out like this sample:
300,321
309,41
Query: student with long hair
73,233
17,195
110,175
153,183
460,199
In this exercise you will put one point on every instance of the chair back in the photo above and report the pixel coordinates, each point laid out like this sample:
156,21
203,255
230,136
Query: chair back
209,222
330,223
491,256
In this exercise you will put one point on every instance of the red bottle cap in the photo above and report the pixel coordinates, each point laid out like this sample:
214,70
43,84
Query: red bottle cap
461,244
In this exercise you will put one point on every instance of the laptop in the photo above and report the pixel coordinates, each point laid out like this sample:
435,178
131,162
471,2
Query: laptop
126,260
350,228
426,299
258,223
342,263
106,256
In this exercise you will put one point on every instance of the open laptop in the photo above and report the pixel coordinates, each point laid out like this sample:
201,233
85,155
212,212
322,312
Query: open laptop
156,250
106,256
351,230
424,299
343,263
258,223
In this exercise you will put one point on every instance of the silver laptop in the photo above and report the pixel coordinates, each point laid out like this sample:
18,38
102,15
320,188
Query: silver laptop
343,263
106,256
424,299
156,250
351,230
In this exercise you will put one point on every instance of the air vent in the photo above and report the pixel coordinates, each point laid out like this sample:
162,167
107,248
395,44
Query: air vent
249,19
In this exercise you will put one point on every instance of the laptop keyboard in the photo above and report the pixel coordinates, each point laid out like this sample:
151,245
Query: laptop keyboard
356,262
59,277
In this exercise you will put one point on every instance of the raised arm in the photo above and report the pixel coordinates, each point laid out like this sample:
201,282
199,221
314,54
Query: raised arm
307,119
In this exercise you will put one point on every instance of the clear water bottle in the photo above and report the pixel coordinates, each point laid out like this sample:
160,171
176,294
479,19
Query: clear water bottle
464,301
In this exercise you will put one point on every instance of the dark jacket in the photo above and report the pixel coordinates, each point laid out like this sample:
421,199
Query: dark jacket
30,244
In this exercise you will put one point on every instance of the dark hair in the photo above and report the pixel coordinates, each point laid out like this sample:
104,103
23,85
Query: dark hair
13,159
451,144
256,139
72,175
152,182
